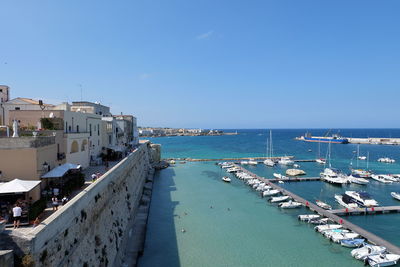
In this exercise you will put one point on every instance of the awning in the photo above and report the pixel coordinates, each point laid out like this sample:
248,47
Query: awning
61,170
18,186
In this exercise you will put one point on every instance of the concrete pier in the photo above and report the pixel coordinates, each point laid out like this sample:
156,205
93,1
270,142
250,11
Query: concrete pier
295,179
372,238
366,211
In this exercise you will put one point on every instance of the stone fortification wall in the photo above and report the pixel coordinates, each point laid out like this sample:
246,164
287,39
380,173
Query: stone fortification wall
89,230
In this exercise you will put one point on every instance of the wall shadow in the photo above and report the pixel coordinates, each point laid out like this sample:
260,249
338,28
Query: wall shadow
161,247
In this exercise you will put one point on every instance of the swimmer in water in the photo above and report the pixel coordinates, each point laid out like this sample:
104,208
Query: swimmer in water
183,230
211,207
185,213
229,209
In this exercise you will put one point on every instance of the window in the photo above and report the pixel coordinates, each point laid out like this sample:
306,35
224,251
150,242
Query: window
98,129
17,108
109,139
69,128
90,129
74,147
77,128
84,143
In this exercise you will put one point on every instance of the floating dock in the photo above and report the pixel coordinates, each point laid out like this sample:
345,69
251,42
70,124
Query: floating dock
366,211
372,238
295,179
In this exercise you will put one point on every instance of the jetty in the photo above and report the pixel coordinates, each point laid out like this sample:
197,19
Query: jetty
374,141
295,179
372,238
238,160
366,211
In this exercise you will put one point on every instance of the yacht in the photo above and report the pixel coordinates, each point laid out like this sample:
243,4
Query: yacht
290,205
362,157
244,162
326,227
286,161
308,217
357,180
361,173
362,198
269,162
346,201
381,179
252,162
333,176
386,160
320,161
395,195
279,176
323,205
366,251
279,199
270,192
226,179
337,237
387,259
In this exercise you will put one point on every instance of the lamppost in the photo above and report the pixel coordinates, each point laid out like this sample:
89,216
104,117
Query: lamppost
45,167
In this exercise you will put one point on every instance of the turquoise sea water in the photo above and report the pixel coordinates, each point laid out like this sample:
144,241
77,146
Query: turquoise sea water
253,232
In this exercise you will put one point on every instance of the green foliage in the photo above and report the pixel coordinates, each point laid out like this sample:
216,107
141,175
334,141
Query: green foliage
47,124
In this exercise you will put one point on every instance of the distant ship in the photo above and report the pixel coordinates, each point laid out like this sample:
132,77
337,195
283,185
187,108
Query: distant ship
335,139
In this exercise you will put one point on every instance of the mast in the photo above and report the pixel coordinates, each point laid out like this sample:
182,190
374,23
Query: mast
367,160
358,153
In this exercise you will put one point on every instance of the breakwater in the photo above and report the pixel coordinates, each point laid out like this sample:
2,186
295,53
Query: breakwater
93,228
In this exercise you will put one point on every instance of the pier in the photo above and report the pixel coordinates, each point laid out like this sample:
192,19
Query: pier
372,238
295,179
238,160
366,211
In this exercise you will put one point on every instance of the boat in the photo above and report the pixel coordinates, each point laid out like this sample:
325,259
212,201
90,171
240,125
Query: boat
381,179
386,160
362,157
269,162
319,221
330,232
337,237
233,169
244,162
279,199
281,182
333,176
226,179
252,162
366,251
308,217
325,227
352,243
270,192
395,195
290,205
383,260
323,205
362,198
320,161
361,173
346,201
279,176
357,180
286,161
296,166
334,139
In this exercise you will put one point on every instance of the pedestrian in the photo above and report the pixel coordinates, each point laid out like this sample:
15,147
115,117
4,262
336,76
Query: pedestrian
17,212
98,175
94,176
36,222
54,202
56,191
106,164
64,200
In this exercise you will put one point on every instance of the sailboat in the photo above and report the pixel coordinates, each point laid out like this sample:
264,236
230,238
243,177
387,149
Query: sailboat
269,162
331,175
320,160
360,173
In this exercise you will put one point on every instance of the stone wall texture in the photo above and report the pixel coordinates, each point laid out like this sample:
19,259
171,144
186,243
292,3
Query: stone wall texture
89,230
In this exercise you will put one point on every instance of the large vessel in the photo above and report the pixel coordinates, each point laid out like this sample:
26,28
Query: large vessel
334,139
362,198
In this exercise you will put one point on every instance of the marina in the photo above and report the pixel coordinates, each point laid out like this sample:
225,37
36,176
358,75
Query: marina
372,238
367,211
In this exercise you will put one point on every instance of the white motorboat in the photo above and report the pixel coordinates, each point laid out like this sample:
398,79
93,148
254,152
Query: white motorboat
352,243
346,201
389,177
323,205
270,193
279,176
227,166
381,179
319,221
286,161
279,199
357,180
362,198
366,251
395,195
329,233
244,162
325,227
296,165
267,187
252,162
308,217
226,179
361,173
383,260
233,169
337,237
333,176
386,160
281,182
362,157
269,162
320,161
290,205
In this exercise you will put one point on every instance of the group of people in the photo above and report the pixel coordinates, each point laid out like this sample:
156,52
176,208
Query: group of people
55,202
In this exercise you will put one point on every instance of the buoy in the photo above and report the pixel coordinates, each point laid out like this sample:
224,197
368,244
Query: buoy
347,210
372,209
341,221
307,203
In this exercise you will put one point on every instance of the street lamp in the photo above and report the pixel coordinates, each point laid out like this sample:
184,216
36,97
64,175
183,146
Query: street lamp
45,167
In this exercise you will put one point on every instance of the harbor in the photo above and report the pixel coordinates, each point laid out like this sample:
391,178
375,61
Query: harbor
372,238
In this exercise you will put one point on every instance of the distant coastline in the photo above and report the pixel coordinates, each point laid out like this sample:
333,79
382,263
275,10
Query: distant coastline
168,132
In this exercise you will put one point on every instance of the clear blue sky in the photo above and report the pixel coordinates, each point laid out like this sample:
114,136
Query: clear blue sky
210,63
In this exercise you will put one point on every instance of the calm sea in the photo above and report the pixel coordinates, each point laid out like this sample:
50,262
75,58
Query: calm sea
230,225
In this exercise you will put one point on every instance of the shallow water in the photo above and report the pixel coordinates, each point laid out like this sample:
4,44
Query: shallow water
253,232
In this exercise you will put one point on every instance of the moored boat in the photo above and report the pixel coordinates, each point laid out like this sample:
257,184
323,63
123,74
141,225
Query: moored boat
357,180
323,205
346,201
362,198
290,205
383,260
366,251
279,199
226,179
308,217
395,195
270,192
352,243
325,227
286,161
381,179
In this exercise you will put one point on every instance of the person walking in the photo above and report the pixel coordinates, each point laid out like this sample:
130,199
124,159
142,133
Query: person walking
17,212
54,202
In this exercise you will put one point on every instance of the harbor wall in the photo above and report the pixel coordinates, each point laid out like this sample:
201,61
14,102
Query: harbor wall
90,229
